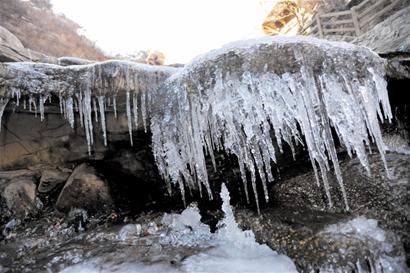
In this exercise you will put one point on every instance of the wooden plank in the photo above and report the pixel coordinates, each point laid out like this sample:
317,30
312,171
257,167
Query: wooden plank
355,21
329,30
334,14
348,21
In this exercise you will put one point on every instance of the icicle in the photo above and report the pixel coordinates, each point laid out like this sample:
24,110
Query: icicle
135,108
70,111
114,105
76,106
144,111
236,109
129,116
95,110
101,104
41,104
60,99
88,122
3,104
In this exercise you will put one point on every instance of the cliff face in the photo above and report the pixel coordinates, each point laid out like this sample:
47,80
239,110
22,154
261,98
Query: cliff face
39,29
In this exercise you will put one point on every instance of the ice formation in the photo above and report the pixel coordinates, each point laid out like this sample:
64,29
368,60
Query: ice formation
248,99
291,90
228,250
84,89
382,257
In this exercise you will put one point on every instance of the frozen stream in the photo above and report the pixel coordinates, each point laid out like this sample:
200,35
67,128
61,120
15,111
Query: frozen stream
228,250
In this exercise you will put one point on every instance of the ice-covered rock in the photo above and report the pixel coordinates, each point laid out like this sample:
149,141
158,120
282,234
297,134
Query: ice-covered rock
129,231
298,89
89,90
233,99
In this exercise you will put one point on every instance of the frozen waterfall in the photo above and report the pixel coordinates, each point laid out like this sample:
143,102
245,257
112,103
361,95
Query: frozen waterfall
248,99
297,89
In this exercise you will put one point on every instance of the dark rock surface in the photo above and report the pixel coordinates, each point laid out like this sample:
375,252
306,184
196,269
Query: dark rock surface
296,225
86,190
51,178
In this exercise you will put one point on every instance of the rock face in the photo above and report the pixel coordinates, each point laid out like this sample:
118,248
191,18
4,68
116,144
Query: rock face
300,224
42,30
86,190
20,197
51,179
12,50
26,140
390,36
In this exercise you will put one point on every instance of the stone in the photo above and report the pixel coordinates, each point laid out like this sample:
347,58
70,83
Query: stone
304,235
390,36
20,197
9,38
375,195
296,224
51,179
66,61
84,189
12,50
127,162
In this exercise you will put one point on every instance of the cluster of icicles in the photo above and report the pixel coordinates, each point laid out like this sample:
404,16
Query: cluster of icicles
244,110
251,110
88,90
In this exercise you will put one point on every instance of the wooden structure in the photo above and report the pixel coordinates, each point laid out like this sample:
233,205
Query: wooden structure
348,24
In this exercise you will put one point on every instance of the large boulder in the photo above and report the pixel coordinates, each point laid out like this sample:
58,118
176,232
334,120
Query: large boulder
390,36
6,37
51,179
20,197
12,50
327,242
86,190
317,237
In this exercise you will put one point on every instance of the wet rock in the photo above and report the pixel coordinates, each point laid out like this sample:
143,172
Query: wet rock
297,225
84,189
128,161
20,197
78,218
320,242
375,196
51,179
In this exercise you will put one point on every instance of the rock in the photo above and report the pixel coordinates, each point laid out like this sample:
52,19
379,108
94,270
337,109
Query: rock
298,225
66,61
127,162
20,197
9,38
86,190
326,242
375,196
12,50
51,179
390,36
